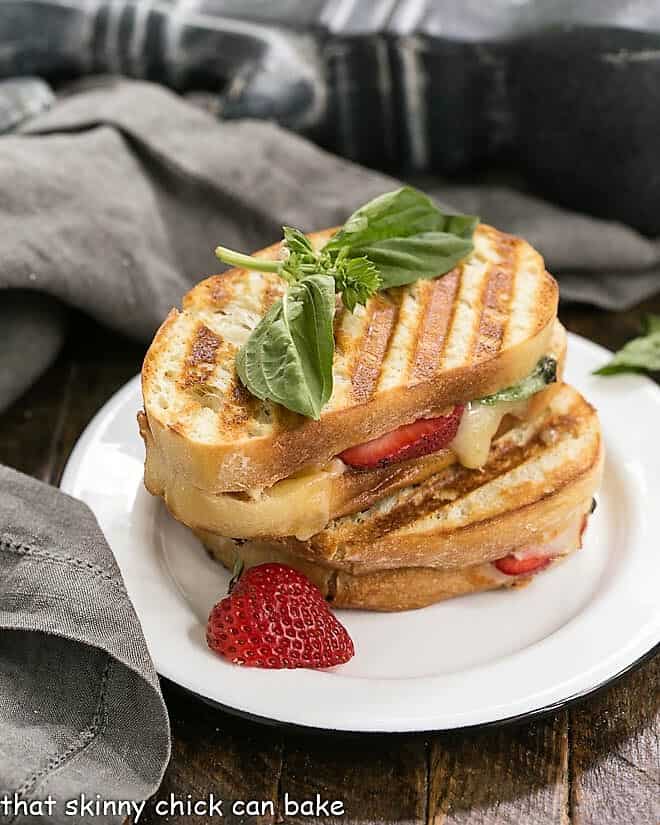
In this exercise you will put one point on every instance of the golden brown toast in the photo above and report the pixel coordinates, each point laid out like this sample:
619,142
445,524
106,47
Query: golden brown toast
410,353
539,474
439,538
303,504
401,588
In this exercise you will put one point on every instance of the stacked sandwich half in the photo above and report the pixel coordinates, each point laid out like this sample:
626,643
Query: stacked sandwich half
449,459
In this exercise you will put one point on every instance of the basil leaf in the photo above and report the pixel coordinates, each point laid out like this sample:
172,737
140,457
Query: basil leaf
405,260
405,211
406,236
395,239
640,354
543,374
288,357
356,279
298,243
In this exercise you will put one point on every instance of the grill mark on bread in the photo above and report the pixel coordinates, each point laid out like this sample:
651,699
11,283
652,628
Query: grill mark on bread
423,290
471,351
510,251
453,327
457,482
372,347
435,323
497,296
535,290
244,406
396,297
271,292
399,355
199,363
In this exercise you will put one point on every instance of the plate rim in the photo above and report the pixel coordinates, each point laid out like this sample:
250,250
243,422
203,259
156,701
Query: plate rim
66,483
519,718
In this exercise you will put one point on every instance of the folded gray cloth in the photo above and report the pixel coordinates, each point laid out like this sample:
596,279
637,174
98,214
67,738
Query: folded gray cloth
80,705
114,200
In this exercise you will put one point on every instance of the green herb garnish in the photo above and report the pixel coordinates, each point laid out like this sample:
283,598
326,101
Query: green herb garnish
288,357
406,236
395,239
639,355
544,373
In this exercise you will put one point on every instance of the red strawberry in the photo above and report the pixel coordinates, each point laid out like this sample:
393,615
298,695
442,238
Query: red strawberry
276,618
513,566
428,435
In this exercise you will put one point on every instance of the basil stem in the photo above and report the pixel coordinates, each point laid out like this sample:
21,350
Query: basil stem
228,256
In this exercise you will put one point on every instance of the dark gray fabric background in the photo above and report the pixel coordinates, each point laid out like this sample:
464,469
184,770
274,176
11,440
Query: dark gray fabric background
114,200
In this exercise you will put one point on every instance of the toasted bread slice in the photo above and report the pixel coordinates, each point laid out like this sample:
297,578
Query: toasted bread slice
410,353
402,588
440,538
303,504
540,473
537,474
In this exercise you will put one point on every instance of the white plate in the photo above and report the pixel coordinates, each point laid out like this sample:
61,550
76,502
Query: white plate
468,661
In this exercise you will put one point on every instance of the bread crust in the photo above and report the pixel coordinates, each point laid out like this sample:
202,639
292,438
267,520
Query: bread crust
403,588
305,506
389,590
228,457
400,569
535,479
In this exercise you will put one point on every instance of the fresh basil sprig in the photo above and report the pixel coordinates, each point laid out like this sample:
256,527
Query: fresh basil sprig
395,239
356,278
642,353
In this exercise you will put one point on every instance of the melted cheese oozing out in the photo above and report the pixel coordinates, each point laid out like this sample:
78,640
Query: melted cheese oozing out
298,505
477,429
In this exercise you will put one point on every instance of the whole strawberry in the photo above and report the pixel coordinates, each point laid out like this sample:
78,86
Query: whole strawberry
276,618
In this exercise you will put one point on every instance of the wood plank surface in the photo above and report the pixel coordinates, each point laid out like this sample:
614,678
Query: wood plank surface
29,429
595,764
503,775
615,753
376,778
217,754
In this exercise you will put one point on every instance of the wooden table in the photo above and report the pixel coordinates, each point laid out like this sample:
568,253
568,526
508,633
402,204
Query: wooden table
596,763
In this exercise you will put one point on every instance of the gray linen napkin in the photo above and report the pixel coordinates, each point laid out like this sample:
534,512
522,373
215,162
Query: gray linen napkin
113,201
80,705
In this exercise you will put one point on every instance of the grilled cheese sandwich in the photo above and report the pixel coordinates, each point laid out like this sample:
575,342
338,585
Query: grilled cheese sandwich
448,535
304,503
446,460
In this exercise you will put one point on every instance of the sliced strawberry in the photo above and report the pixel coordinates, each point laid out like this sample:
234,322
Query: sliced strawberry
513,566
427,435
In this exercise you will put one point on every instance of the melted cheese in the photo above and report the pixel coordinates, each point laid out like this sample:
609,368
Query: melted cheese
302,502
477,429
298,505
